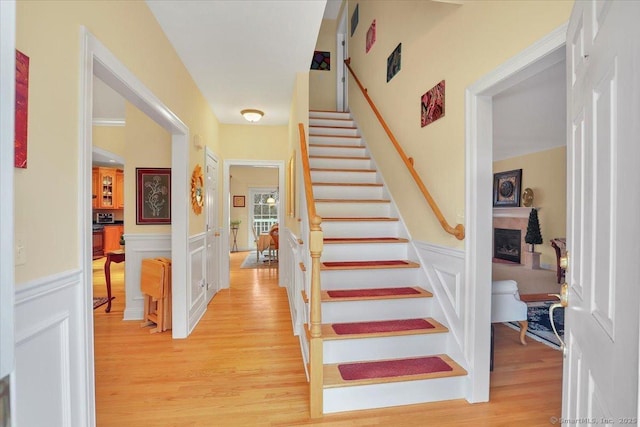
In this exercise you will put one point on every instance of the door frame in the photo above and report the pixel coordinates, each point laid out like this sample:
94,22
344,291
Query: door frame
97,60
7,120
225,277
208,153
342,52
478,184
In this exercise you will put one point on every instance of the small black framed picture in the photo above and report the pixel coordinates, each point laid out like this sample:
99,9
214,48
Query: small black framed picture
506,188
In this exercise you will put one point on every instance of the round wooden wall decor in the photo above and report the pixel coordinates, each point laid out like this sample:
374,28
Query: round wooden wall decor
197,190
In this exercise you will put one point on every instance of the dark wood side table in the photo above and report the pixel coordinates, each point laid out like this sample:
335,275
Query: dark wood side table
113,256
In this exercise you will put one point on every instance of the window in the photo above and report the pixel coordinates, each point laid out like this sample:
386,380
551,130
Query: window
263,214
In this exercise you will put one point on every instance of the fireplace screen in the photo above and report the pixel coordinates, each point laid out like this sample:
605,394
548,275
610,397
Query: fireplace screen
507,244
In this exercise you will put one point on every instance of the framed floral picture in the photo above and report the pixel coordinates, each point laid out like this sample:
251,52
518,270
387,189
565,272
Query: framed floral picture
153,196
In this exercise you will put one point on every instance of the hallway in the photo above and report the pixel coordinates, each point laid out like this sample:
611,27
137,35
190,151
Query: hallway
242,367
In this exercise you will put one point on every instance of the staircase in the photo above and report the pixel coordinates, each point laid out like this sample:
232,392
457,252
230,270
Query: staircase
383,343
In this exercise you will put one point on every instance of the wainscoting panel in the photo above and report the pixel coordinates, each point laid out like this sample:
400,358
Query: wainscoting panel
51,363
196,294
293,273
140,246
444,268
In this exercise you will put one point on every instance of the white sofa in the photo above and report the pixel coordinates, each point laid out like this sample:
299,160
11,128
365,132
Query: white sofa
506,305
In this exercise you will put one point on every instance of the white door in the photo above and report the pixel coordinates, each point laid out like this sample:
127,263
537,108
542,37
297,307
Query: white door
342,54
600,379
211,212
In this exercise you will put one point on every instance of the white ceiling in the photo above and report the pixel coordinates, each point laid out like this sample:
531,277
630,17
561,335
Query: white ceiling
243,54
531,116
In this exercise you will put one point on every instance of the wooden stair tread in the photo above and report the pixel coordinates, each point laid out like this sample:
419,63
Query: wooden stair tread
332,377
362,265
345,240
325,297
352,201
347,184
357,219
328,333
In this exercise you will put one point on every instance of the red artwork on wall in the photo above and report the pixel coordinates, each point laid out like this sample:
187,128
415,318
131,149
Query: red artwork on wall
371,36
432,104
22,109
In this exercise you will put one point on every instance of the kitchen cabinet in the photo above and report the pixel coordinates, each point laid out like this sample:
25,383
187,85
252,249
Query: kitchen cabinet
119,204
98,243
106,188
94,188
112,235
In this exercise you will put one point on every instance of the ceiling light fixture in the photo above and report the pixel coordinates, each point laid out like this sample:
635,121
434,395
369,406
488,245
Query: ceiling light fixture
252,115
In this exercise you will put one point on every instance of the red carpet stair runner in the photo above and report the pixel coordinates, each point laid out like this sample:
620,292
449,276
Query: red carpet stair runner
383,343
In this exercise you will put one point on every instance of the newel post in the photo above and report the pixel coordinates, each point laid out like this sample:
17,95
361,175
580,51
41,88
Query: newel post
316,362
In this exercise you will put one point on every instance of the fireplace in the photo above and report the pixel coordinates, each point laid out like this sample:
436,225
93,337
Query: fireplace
507,244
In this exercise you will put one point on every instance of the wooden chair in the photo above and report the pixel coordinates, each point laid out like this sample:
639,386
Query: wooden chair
274,246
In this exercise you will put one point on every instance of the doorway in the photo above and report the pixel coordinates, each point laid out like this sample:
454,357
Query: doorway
229,205
478,181
99,61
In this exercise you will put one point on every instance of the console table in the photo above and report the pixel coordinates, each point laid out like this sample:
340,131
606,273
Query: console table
113,256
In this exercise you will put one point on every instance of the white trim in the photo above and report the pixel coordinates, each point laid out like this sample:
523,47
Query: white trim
7,120
97,121
342,80
478,182
97,60
45,285
512,212
225,280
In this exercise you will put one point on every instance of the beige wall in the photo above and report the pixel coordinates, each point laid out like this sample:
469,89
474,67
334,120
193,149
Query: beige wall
322,84
545,173
243,178
49,33
147,145
457,43
299,115
110,138
254,142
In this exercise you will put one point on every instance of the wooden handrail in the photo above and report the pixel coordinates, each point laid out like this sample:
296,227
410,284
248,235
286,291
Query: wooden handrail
315,249
458,230
306,173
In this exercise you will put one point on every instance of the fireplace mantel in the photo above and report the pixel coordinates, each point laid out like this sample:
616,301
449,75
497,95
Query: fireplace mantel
519,212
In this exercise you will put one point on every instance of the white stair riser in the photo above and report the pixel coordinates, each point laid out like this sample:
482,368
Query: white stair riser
379,348
344,177
360,229
331,122
335,140
385,395
329,115
346,192
371,310
351,210
363,251
339,163
346,151
372,278
340,131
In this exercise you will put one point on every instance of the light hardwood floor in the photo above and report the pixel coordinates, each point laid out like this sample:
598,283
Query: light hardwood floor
242,367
